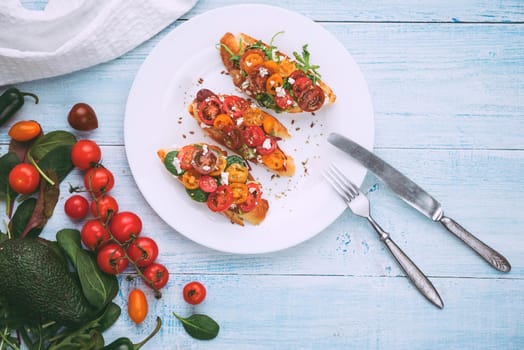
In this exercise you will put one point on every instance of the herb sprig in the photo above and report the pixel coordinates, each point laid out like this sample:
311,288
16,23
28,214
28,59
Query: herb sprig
304,65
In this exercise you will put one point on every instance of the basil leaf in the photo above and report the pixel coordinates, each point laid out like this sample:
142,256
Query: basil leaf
21,218
200,326
99,288
58,160
70,243
50,141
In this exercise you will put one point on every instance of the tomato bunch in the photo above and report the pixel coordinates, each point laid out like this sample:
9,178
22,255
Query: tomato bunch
115,235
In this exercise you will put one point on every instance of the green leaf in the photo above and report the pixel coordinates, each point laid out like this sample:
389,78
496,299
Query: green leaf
22,215
7,162
69,241
57,160
99,288
109,317
200,326
48,142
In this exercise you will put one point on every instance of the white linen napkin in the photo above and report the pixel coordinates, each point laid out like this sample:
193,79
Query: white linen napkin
69,35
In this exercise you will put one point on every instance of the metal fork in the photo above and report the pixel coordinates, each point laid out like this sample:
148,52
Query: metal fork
359,205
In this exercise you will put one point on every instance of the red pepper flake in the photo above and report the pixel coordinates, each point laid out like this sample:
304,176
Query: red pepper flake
292,121
312,124
184,135
200,80
297,128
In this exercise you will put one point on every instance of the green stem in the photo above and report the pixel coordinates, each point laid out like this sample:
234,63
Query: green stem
44,176
155,331
5,340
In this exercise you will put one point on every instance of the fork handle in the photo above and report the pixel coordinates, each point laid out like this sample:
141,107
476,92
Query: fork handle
493,257
416,276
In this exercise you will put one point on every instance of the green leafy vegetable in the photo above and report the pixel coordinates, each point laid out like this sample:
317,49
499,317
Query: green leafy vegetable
199,326
304,65
22,215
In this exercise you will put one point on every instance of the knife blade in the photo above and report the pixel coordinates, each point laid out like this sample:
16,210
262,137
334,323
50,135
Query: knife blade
418,198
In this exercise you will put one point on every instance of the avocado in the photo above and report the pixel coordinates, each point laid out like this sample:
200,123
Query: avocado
37,284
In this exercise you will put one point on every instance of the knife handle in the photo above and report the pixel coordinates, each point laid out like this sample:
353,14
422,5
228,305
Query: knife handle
416,276
494,258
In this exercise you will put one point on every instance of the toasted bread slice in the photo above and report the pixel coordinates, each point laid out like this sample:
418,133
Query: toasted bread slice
274,79
245,129
223,182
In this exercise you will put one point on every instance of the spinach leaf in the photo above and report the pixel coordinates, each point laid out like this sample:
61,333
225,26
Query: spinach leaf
48,142
21,218
99,288
109,317
70,242
7,162
200,326
58,161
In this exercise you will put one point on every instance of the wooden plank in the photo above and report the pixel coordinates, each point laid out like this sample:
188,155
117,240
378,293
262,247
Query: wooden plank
407,69
336,312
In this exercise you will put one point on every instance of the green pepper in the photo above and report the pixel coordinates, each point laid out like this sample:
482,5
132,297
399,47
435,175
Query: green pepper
11,101
126,344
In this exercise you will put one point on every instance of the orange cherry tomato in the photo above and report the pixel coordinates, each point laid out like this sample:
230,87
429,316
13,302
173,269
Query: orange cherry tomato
251,59
274,160
240,192
271,65
25,130
137,307
274,82
221,166
190,179
269,124
253,116
286,67
237,173
222,120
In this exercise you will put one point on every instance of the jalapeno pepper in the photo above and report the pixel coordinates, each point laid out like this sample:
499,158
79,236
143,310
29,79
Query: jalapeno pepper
127,344
11,101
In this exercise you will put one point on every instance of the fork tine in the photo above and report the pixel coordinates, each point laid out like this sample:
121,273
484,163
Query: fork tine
350,186
336,185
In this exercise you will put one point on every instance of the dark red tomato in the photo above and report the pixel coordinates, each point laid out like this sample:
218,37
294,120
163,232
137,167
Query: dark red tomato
125,225
253,135
312,99
99,180
284,102
232,136
185,155
94,234
254,195
156,275
300,86
76,207
85,154
209,109
257,79
104,207
24,178
112,259
268,146
82,117
297,74
234,105
202,94
221,199
194,292
208,183
142,251
205,161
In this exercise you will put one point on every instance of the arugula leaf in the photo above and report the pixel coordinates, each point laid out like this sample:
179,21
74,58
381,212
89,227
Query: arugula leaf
304,65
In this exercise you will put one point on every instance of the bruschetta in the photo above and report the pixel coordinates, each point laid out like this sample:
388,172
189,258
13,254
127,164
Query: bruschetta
244,128
274,79
223,182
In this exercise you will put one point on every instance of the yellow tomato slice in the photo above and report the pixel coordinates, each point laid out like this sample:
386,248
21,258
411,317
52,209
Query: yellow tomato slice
221,166
269,124
253,116
190,179
221,121
274,160
251,60
286,67
273,82
240,192
237,173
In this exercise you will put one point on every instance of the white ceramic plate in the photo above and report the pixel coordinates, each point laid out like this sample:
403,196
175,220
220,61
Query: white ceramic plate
187,60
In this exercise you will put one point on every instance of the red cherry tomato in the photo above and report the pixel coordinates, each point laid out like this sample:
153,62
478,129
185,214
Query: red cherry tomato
253,197
156,275
24,178
94,234
111,259
253,135
234,105
268,146
284,102
99,180
194,293
185,155
209,109
221,199
142,251
85,154
312,99
104,207
125,225
208,183
76,207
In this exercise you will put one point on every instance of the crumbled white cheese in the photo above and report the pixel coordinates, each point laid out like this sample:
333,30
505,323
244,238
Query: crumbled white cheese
245,84
205,150
281,92
206,168
221,98
240,121
225,178
267,143
176,164
291,81
263,72
204,125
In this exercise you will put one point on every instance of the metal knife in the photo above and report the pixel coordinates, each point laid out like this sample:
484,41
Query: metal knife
419,199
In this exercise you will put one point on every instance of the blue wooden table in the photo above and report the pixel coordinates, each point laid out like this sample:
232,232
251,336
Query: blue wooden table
447,84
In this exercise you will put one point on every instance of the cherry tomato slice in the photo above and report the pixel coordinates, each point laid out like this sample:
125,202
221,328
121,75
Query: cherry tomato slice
253,135
185,155
273,83
234,105
232,137
205,160
240,192
237,173
297,74
252,58
254,194
208,183
253,116
209,109
221,199
268,146
284,101
222,120
312,99
301,85
190,179
275,160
